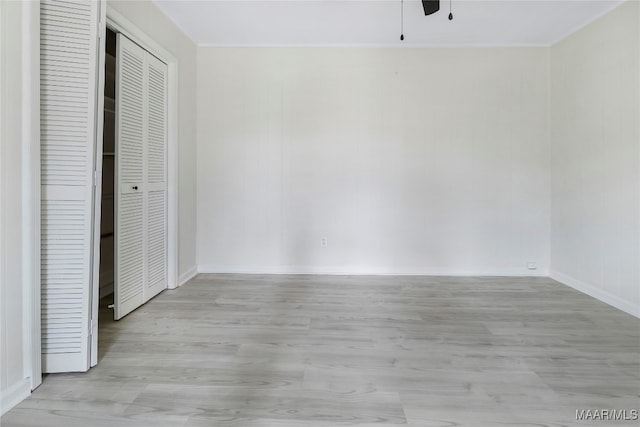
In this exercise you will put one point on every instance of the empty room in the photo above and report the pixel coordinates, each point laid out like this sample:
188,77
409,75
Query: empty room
312,213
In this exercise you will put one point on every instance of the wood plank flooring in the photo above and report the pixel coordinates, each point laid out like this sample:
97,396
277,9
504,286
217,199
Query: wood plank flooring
321,351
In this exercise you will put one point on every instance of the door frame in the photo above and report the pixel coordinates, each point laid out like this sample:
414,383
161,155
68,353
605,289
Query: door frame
119,23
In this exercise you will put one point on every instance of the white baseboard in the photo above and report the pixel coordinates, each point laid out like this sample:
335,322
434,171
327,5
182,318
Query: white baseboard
368,271
597,293
14,395
187,275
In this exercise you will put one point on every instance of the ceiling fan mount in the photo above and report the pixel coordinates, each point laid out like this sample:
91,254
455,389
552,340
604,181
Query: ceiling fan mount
430,6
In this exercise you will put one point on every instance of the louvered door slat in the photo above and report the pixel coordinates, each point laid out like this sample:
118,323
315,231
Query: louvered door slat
68,59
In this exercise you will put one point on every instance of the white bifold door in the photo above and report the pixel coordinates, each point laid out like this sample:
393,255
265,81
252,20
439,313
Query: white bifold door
69,71
141,177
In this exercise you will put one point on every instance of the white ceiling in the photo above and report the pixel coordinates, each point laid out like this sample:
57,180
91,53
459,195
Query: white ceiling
377,23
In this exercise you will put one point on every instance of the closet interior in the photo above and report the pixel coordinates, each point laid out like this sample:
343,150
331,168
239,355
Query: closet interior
107,223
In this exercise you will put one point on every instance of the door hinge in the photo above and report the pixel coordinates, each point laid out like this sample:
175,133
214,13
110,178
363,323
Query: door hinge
95,178
93,327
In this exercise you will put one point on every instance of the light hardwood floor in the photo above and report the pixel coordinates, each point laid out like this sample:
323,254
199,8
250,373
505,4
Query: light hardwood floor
320,351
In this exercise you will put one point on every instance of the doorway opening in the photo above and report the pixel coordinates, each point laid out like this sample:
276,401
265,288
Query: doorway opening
107,221
106,282
133,202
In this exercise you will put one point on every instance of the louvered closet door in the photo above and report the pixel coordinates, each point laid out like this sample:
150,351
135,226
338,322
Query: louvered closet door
156,178
141,153
68,91
130,136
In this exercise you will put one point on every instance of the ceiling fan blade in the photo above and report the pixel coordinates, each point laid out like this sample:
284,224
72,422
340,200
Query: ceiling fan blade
430,6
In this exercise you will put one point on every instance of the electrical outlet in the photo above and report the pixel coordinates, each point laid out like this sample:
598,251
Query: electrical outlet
532,265
324,242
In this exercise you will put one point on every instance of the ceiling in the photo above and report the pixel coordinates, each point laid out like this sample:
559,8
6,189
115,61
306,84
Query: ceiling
377,23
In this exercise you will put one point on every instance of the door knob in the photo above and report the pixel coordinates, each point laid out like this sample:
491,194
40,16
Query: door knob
135,187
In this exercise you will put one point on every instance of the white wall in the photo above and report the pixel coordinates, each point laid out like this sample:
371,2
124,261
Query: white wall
146,16
14,385
595,198
432,161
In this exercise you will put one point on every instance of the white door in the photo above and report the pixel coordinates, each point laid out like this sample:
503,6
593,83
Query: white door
69,47
141,187
129,234
156,178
